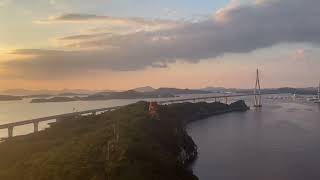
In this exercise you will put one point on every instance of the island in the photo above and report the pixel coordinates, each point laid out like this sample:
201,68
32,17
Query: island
55,99
127,143
10,98
37,96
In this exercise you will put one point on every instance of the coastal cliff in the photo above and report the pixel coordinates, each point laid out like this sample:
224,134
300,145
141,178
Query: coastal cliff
123,144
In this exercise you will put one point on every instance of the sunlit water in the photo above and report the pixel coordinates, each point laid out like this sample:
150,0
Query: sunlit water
279,142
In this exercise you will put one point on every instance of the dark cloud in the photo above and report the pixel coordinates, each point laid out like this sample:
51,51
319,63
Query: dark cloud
243,29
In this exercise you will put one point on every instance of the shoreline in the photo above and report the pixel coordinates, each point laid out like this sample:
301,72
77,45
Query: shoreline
238,106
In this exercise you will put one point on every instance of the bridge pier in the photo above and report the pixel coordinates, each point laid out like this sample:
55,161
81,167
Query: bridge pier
226,100
10,131
36,126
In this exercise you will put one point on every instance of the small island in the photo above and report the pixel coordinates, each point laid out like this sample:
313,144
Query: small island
127,143
55,99
10,98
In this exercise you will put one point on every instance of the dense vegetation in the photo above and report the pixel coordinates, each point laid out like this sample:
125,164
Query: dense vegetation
77,148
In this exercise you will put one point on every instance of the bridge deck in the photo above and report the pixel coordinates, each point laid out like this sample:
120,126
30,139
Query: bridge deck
37,120
208,97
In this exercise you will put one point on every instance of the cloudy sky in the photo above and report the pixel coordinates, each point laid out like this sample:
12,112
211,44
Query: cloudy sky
122,44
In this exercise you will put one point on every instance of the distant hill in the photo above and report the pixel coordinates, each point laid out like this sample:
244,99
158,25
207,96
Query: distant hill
41,93
21,92
134,94
72,94
131,94
144,89
214,89
9,98
38,96
137,93
177,91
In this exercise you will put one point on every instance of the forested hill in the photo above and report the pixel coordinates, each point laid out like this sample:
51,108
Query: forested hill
140,147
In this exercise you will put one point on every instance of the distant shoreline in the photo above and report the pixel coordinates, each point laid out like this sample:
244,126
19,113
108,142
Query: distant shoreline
130,94
141,93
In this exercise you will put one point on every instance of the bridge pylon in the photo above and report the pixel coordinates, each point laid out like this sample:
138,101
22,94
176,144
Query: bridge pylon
257,92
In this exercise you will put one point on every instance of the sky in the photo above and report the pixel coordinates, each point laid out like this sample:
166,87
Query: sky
123,44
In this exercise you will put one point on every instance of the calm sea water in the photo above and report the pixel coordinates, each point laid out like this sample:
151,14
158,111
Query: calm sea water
279,142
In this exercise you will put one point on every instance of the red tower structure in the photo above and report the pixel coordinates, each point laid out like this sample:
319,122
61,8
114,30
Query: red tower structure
153,109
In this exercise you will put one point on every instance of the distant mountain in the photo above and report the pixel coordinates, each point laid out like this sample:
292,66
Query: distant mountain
177,91
130,94
80,92
144,89
38,96
9,98
21,92
72,94
214,89
137,93
63,92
